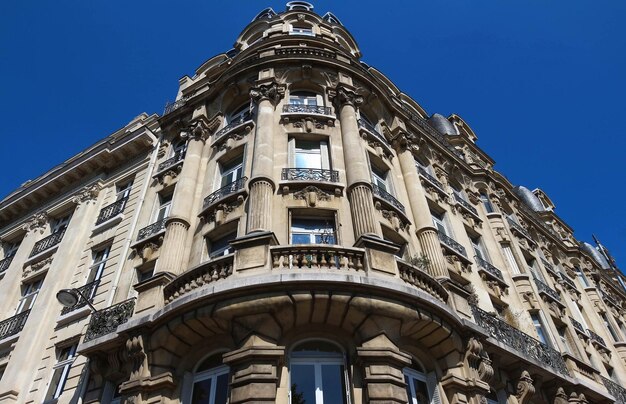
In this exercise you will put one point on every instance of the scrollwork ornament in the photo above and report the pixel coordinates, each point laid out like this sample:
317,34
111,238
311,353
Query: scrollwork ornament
525,388
37,223
87,194
344,96
272,92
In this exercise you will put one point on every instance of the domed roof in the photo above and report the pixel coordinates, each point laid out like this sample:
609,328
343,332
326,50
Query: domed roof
442,124
529,198
597,256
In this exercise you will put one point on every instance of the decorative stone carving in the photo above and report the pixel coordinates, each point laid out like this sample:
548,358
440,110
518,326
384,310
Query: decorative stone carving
138,362
525,388
37,223
308,123
163,148
87,194
272,92
397,222
222,210
560,397
478,360
312,194
36,267
344,96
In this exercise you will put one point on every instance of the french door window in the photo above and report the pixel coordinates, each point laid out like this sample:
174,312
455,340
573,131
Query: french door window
510,259
479,250
303,98
221,246
10,249
29,294
317,372
379,178
97,267
210,382
60,224
416,387
123,191
310,154
486,203
231,171
164,207
540,328
312,231
61,372
239,115
440,223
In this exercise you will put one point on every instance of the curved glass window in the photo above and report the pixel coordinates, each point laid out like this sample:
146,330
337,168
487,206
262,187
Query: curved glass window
210,382
317,371
416,387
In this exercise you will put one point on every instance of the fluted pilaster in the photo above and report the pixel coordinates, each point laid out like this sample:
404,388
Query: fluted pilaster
259,218
173,253
430,246
357,170
266,97
426,233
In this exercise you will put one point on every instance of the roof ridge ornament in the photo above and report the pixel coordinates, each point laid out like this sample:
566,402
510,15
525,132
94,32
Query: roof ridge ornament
299,5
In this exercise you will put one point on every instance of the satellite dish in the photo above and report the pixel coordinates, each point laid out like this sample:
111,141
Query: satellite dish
67,297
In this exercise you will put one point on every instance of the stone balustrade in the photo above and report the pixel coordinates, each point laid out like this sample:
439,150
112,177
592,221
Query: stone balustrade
421,280
207,272
317,256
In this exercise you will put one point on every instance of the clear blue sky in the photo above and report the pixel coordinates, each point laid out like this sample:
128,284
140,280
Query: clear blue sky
541,83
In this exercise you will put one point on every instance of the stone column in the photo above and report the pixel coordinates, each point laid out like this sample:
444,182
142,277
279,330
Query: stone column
425,230
172,255
261,184
357,168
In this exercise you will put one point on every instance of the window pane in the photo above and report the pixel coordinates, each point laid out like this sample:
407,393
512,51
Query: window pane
298,238
303,384
308,160
202,392
221,389
55,388
333,385
421,392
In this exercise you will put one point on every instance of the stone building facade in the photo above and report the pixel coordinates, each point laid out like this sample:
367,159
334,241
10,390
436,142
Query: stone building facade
295,229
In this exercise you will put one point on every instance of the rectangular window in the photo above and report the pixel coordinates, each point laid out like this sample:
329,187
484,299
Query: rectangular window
9,249
416,387
60,224
439,222
379,179
486,203
231,171
479,249
309,154
564,339
609,326
312,230
221,246
303,98
308,31
65,358
29,294
540,329
510,259
165,203
458,194
123,191
99,260
582,278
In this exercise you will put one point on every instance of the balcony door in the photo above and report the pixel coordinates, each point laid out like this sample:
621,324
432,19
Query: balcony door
307,98
60,224
231,171
308,154
29,294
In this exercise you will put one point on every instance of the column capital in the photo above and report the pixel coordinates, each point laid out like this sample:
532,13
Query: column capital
87,194
271,91
201,127
345,95
37,222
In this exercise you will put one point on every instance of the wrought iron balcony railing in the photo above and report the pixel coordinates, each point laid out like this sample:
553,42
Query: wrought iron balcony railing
610,299
489,268
430,178
545,289
617,391
173,106
518,227
549,267
309,174
595,337
112,210
371,129
527,346
466,205
453,244
234,124
151,230
106,321
89,291
386,196
578,326
46,243
225,191
171,161
4,264
13,325
306,109
566,279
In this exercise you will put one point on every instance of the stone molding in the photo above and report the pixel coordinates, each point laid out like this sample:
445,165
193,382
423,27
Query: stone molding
272,92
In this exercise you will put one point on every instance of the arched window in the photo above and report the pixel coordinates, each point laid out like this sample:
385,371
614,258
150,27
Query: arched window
416,386
317,374
210,382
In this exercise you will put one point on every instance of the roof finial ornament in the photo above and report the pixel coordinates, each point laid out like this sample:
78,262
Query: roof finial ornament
299,5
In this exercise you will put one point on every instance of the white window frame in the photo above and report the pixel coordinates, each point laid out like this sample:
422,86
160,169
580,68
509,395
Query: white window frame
60,224
98,264
479,248
165,204
306,97
317,360
458,193
306,31
582,278
227,168
227,249
322,151
314,233
412,374
439,221
238,114
507,251
10,249
62,366
540,325
211,374
612,331
487,203
29,295
123,190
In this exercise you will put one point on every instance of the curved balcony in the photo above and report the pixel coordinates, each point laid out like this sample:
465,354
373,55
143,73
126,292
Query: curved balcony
151,230
318,256
203,274
596,338
235,129
517,228
421,280
617,391
465,205
306,109
226,192
432,181
489,269
578,327
171,162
